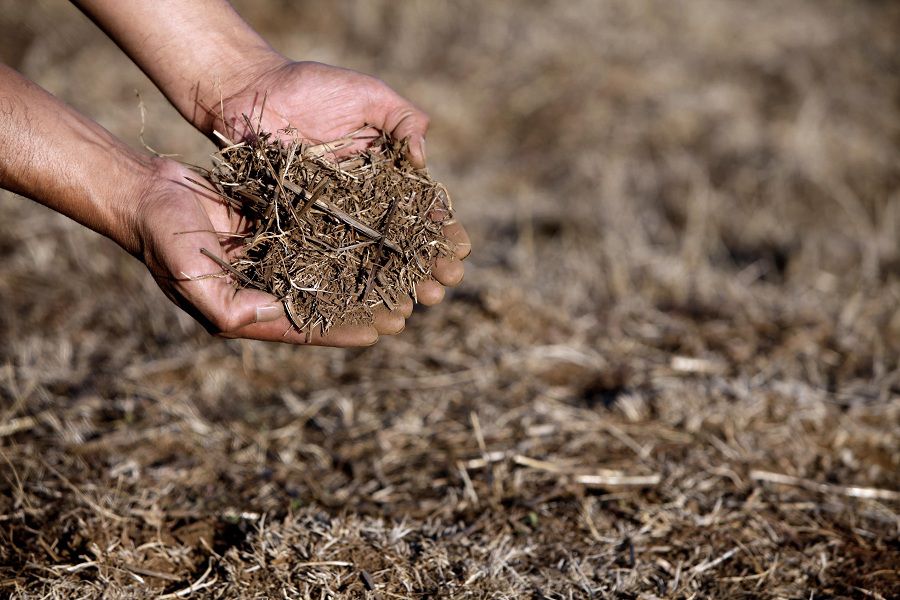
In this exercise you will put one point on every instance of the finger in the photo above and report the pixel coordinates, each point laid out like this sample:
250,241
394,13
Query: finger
267,321
448,271
389,322
417,155
281,330
228,310
429,292
254,314
398,117
459,239
405,307
453,231
362,140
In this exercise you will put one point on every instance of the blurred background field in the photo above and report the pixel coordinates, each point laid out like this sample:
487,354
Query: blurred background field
673,369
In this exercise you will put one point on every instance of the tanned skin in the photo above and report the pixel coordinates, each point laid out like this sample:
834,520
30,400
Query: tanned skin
205,59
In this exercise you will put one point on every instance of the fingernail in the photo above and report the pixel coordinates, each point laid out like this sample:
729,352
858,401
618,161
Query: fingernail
422,155
269,312
439,215
462,250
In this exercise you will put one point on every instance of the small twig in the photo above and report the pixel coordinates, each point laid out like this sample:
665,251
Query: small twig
379,249
619,480
825,488
610,478
16,425
197,585
533,463
469,489
228,143
320,188
151,573
385,297
227,267
79,566
869,593
486,459
707,565
146,146
367,231
367,580
262,109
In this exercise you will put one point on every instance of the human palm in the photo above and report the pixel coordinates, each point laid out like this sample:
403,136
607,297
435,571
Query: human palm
310,101
178,221
321,103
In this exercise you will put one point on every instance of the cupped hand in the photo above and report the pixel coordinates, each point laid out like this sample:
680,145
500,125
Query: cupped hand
174,220
322,103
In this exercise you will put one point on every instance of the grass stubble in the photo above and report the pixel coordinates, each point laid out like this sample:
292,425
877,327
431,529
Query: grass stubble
331,236
679,300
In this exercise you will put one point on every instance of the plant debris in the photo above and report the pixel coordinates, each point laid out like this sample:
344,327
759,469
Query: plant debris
673,371
332,239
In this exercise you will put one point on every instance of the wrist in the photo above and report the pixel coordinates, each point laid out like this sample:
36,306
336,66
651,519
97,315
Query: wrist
120,192
195,52
67,162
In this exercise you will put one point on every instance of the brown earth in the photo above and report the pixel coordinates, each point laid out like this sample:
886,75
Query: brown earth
672,370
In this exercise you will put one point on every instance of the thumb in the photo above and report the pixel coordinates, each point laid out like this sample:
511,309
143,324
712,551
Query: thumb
254,314
227,310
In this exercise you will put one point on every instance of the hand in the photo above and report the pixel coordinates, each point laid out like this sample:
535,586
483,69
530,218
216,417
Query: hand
323,103
174,219
319,102
229,66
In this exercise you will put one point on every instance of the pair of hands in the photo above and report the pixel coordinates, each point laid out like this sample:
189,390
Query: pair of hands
175,219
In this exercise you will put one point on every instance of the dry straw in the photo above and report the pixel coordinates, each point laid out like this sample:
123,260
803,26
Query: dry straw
331,238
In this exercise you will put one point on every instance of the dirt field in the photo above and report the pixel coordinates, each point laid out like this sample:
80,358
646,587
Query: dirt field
673,369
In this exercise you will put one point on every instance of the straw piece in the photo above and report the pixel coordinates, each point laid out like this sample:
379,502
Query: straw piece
825,488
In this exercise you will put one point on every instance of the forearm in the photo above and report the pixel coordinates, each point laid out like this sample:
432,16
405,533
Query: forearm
191,50
56,156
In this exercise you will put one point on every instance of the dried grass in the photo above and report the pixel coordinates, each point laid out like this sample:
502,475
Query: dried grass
331,239
673,369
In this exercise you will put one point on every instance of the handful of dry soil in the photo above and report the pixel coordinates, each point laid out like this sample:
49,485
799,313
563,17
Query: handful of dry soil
332,240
